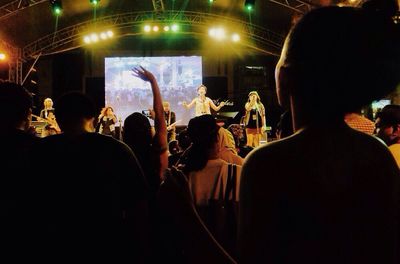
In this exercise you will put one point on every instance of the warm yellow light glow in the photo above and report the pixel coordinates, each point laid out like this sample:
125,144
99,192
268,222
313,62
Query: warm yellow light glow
156,28
220,34
87,40
211,32
166,28
94,37
110,34
147,28
2,56
103,35
235,37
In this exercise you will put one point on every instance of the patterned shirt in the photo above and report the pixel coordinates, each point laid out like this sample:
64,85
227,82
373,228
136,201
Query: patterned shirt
360,123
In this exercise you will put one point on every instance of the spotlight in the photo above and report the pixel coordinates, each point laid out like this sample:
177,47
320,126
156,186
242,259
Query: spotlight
156,28
56,6
2,56
219,34
235,37
94,2
166,28
94,37
211,32
249,4
103,35
87,40
147,28
110,34
175,27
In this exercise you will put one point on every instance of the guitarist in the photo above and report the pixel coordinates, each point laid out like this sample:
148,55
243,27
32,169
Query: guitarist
170,118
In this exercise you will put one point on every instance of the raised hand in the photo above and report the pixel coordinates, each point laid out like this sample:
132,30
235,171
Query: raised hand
143,74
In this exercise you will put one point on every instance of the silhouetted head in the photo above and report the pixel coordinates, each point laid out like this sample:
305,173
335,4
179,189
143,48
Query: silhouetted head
203,131
15,105
337,59
137,132
388,124
75,111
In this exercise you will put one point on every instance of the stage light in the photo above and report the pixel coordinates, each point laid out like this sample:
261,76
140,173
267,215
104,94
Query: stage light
103,35
156,28
147,28
175,27
94,37
235,37
110,34
3,56
87,40
211,32
166,28
56,6
94,2
210,1
220,34
249,4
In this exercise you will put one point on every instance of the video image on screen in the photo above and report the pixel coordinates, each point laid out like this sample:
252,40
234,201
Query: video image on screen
178,78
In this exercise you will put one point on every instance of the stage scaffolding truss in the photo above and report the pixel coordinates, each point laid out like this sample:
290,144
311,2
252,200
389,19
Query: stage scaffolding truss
130,23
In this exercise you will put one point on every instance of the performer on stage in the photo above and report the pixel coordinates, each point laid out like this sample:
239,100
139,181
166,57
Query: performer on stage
254,119
170,118
106,122
203,103
48,108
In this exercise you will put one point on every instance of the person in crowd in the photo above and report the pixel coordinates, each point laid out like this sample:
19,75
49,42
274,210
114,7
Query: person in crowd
239,135
106,122
388,129
358,122
47,108
202,103
92,202
184,143
173,147
18,138
207,173
254,120
227,148
151,148
328,193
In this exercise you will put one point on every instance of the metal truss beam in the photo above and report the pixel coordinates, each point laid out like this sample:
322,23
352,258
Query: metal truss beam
14,61
71,37
158,5
17,5
300,6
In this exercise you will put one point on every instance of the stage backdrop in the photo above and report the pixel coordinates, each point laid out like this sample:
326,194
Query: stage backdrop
178,77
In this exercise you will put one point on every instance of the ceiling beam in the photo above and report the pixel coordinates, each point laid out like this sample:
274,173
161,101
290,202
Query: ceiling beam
17,5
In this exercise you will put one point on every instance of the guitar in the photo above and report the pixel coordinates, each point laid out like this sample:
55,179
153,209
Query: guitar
53,123
172,125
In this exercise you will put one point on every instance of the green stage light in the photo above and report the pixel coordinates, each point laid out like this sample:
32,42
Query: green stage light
249,4
56,6
175,27
94,2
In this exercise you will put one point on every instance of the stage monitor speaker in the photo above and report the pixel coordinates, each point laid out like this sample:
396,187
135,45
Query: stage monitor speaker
217,87
94,88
